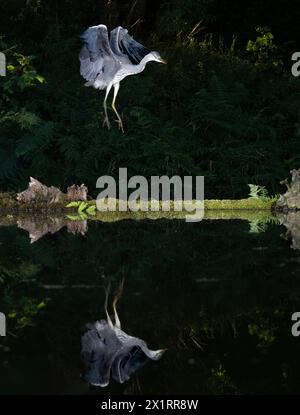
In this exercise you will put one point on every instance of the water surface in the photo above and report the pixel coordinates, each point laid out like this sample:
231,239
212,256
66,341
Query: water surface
218,294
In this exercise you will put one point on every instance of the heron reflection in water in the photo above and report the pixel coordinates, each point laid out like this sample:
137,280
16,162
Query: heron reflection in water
108,351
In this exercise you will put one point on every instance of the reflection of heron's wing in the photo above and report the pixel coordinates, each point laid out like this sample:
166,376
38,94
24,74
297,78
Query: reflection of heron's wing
132,354
110,351
127,362
97,351
96,57
122,43
130,341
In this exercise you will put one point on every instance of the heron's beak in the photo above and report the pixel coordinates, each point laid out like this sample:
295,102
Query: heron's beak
157,354
163,61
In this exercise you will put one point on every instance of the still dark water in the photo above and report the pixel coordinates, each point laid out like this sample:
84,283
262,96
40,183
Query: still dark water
218,295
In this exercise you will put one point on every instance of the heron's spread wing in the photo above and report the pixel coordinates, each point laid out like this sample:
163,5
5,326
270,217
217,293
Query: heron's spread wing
114,40
122,43
96,56
88,69
96,41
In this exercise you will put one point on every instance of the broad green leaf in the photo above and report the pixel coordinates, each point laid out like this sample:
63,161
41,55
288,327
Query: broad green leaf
82,206
91,210
40,78
73,204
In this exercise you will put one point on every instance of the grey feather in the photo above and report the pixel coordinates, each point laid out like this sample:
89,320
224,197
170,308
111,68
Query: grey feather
106,61
123,44
114,40
97,61
135,50
110,352
97,43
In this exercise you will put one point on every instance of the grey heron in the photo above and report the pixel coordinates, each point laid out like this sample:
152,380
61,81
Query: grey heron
106,60
108,351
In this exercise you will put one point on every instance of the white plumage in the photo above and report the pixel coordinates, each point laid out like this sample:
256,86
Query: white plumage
106,60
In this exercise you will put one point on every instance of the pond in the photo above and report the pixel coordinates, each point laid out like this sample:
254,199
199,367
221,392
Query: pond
218,295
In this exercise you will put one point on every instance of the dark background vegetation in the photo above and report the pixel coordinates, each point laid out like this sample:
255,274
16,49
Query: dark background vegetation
223,107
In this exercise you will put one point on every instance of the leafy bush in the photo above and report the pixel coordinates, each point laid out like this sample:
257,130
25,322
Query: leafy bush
215,110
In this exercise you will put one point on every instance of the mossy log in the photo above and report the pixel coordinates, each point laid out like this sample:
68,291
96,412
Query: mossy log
9,204
42,200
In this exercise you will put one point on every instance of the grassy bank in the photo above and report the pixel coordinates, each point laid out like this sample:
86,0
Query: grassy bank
246,209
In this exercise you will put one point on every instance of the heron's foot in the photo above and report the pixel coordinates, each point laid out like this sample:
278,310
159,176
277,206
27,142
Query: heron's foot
120,125
106,123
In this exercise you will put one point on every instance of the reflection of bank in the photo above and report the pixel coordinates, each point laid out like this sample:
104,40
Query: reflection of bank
2,64
2,324
291,221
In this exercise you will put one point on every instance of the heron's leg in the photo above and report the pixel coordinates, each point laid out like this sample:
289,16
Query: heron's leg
119,121
117,296
106,120
105,307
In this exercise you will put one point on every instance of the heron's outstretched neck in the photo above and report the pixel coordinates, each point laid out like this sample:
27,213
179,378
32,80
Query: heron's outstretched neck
141,66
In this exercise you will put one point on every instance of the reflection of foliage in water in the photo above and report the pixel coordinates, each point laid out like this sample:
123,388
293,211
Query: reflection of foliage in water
262,328
20,309
24,312
257,226
84,209
220,381
199,287
261,225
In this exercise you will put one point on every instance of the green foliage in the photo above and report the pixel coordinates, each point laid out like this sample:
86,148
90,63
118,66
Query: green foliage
15,274
264,329
84,209
258,192
21,73
22,131
24,315
258,226
263,49
212,111
220,381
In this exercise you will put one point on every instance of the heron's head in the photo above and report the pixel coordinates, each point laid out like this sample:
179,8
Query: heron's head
155,56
